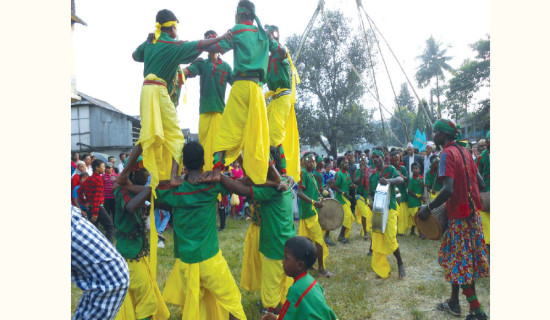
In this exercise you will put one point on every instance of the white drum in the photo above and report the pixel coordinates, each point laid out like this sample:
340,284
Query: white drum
381,208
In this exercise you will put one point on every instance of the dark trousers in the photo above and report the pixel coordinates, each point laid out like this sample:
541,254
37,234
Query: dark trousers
110,207
221,212
105,220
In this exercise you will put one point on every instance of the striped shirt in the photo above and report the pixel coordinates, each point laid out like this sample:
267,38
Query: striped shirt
98,269
108,182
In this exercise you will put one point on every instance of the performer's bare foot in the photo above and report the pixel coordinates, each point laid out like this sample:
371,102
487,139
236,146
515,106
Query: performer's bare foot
325,273
401,271
209,176
176,181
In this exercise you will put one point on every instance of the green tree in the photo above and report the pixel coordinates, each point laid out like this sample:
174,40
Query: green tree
433,63
467,80
404,114
405,99
328,99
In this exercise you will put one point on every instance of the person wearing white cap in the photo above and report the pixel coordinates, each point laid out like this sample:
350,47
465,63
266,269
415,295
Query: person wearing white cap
429,151
413,158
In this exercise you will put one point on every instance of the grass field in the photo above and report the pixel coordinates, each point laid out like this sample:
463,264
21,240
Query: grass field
354,292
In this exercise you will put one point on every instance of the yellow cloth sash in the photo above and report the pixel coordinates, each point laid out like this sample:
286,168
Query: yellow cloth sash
275,283
384,244
311,229
158,26
251,271
244,127
205,290
144,298
348,217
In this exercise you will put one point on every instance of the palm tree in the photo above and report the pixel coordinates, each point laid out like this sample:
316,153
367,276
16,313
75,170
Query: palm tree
433,63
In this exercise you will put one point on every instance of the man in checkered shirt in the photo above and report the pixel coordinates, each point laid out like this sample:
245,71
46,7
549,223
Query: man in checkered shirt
98,269
94,191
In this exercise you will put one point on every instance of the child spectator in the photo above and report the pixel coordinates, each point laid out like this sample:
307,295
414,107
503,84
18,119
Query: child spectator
305,299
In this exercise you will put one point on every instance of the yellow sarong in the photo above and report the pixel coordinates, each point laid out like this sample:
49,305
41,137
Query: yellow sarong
275,283
244,127
205,290
384,244
283,128
348,217
411,212
363,210
144,298
209,124
251,271
160,136
402,217
311,229
486,223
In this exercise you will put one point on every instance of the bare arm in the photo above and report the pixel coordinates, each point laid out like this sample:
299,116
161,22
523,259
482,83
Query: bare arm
235,186
139,199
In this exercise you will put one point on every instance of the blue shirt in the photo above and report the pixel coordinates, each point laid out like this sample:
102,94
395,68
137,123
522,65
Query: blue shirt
98,269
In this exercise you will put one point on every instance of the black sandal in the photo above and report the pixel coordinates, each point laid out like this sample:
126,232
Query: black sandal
445,306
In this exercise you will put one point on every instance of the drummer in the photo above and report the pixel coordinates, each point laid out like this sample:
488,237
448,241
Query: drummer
385,243
402,205
341,188
462,254
310,201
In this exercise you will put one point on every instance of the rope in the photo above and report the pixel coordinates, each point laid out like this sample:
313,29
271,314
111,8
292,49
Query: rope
356,72
408,80
320,7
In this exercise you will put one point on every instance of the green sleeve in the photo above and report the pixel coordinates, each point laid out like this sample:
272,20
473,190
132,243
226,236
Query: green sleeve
274,46
188,51
165,195
230,75
224,46
139,53
393,172
222,189
339,178
195,68
263,193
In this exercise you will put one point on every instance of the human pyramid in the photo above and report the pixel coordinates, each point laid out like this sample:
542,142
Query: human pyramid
264,140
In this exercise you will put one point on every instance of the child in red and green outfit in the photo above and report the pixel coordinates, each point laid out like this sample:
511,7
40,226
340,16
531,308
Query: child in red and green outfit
414,193
305,299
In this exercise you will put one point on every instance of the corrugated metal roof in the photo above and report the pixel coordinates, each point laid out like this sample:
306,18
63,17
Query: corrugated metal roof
86,99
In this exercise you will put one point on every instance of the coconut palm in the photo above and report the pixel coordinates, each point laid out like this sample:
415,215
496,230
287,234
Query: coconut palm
434,62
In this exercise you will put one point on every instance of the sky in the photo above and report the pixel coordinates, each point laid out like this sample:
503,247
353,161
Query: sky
104,68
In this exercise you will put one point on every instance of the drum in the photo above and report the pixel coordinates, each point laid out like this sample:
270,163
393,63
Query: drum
331,215
436,224
485,201
381,207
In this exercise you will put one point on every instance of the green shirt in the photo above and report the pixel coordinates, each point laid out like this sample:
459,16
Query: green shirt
306,305
132,235
278,71
251,54
195,211
309,187
432,181
484,167
388,173
213,80
164,57
319,177
343,181
362,190
277,219
416,187
403,187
